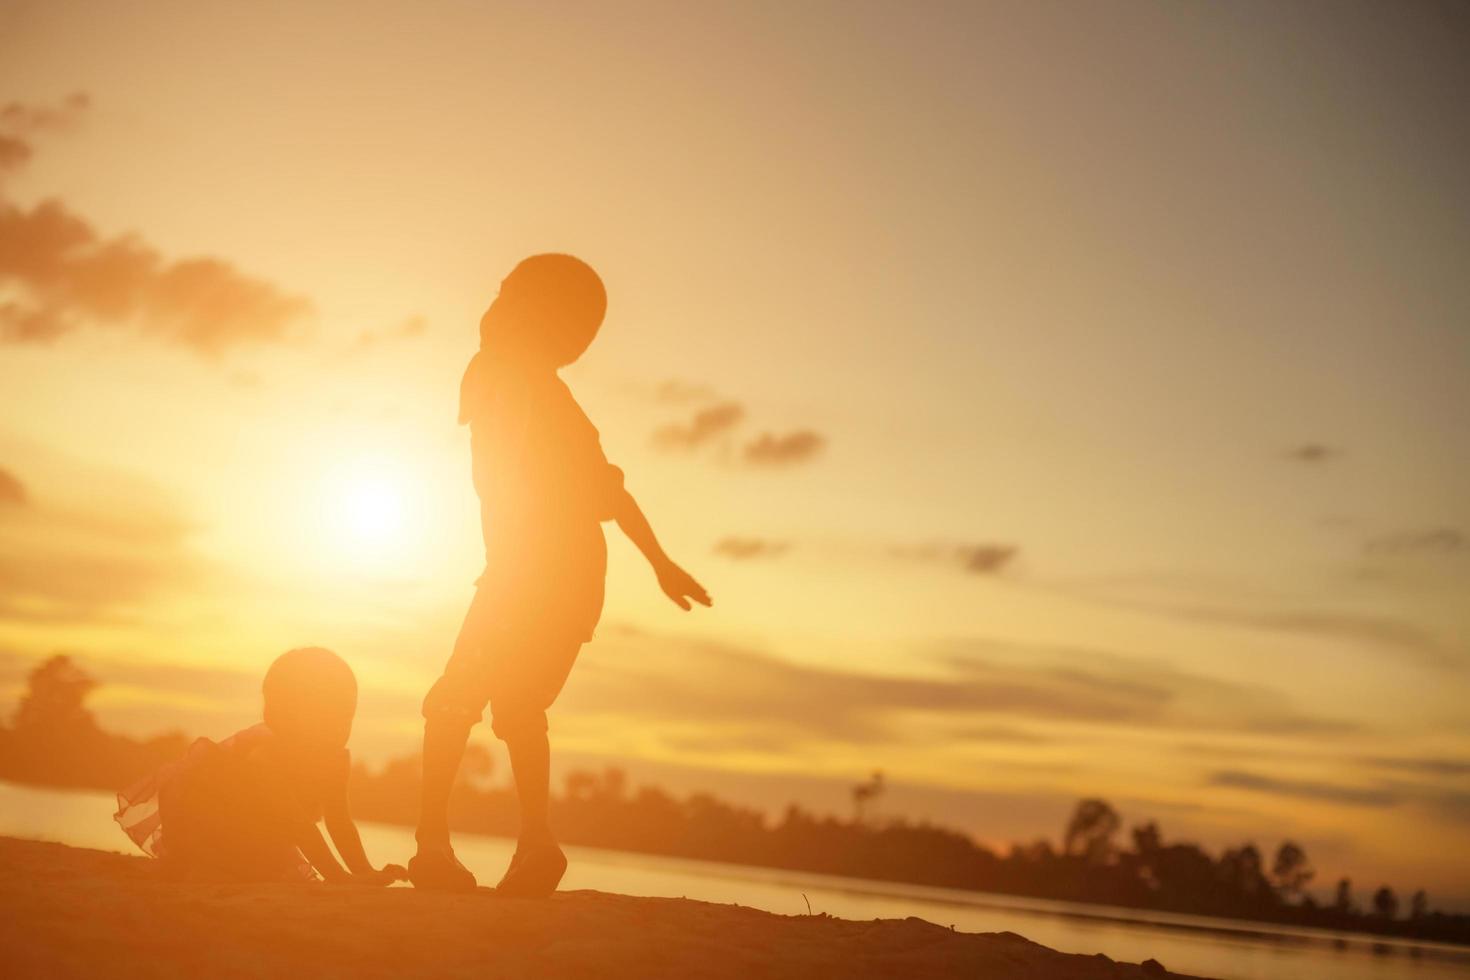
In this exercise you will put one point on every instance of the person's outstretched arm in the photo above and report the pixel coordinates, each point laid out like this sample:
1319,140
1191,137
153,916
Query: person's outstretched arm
676,583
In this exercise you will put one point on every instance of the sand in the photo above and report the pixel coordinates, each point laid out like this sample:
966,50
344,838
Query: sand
66,911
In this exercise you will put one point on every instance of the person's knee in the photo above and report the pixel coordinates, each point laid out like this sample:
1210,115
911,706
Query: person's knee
443,709
448,723
513,725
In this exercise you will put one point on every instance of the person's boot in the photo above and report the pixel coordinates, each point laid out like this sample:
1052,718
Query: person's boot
437,869
534,871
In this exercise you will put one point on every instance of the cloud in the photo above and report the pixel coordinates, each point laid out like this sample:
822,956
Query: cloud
70,277
1313,452
766,450
988,558
1261,610
1453,805
148,698
1390,634
12,491
14,153
58,274
1433,541
1422,766
742,549
58,587
18,121
673,392
17,117
68,562
704,427
784,450
743,692
414,326
1007,734
1305,789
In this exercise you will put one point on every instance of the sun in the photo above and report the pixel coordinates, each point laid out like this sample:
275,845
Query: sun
367,510
372,509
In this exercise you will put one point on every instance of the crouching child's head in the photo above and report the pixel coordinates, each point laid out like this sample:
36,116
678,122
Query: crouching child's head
310,697
549,309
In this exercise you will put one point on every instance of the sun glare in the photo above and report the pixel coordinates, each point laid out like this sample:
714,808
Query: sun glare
366,512
372,509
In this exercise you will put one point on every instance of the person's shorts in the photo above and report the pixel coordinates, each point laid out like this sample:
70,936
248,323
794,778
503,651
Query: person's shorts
511,655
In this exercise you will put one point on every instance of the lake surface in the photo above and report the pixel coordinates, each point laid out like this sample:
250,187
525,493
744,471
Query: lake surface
1206,947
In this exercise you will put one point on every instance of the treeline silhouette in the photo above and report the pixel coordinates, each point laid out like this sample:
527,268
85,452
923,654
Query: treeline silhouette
54,740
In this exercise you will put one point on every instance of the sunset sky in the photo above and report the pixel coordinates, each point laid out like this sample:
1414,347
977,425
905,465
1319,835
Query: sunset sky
1057,400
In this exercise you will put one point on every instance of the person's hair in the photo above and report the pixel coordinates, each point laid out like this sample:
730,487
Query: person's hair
559,299
304,685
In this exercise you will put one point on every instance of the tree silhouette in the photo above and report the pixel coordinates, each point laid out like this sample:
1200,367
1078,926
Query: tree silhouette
1147,840
1090,831
864,792
1419,906
1343,900
55,741
55,698
1385,903
1291,869
1241,869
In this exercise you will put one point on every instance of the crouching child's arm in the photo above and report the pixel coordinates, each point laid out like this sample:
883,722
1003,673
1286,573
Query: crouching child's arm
338,818
315,850
676,583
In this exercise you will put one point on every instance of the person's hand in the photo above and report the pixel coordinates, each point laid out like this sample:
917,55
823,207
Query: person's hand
386,875
680,586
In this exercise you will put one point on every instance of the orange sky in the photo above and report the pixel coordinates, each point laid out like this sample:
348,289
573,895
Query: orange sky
1099,371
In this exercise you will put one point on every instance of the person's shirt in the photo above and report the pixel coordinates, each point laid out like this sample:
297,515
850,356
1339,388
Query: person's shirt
538,463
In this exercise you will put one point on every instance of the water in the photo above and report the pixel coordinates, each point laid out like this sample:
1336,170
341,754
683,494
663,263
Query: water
1205,947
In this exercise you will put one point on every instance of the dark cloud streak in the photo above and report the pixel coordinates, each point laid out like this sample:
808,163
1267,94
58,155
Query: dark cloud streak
790,449
14,153
707,424
92,565
17,117
1313,452
673,392
747,548
1305,789
12,491
746,690
1433,541
986,558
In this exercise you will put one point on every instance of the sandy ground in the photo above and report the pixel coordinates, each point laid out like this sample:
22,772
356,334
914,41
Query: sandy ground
70,912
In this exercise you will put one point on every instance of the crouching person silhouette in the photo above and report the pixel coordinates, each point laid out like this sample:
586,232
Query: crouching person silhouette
247,808
545,488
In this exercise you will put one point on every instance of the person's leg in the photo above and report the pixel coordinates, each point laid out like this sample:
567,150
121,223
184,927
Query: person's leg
538,864
518,708
530,764
445,738
446,732
451,708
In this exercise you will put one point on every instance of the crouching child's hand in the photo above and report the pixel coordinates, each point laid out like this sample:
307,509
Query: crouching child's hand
384,876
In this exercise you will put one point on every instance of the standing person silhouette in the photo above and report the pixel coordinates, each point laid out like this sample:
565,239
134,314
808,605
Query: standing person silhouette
544,487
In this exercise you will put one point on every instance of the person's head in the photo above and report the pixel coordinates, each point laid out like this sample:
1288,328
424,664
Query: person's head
549,309
310,696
